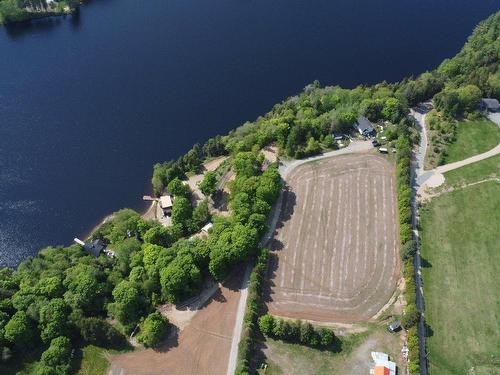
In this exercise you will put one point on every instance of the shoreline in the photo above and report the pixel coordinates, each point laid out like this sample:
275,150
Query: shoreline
144,213
31,16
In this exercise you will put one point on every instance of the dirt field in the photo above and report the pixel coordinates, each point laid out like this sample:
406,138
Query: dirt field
202,347
336,249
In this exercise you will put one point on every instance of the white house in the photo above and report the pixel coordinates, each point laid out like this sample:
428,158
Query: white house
382,364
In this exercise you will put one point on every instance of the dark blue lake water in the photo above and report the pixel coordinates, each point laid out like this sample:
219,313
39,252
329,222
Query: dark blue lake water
88,103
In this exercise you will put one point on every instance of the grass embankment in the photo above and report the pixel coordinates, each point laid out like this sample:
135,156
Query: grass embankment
473,138
460,269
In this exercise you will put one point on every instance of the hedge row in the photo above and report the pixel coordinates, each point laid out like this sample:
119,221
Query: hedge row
408,248
296,331
246,344
413,351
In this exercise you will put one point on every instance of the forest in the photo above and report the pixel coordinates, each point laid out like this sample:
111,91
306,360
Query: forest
63,298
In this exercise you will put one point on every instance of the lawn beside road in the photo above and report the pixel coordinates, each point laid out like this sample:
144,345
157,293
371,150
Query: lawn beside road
461,276
473,138
488,168
353,358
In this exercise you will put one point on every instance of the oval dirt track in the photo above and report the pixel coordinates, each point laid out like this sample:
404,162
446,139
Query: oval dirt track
335,253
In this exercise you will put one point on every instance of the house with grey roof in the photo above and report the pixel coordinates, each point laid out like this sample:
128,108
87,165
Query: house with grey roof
490,104
364,126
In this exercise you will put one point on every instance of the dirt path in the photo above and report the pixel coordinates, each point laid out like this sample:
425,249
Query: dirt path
238,325
202,347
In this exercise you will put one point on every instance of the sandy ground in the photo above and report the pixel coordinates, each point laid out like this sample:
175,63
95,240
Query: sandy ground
202,347
182,314
335,255
193,181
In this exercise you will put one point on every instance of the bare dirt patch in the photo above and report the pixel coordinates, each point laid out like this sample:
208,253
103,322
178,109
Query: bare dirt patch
202,347
335,255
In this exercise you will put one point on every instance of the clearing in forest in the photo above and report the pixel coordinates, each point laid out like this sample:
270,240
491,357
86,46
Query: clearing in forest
335,253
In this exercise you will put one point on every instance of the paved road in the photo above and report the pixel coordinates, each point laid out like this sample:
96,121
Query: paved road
417,171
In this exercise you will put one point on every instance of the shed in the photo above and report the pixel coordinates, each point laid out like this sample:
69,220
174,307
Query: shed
166,204
489,104
364,126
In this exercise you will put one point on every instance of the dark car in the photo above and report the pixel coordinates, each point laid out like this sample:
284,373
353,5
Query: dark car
394,327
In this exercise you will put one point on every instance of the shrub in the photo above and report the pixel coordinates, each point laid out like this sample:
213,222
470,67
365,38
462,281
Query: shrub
250,321
410,317
408,250
153,330
297,331
97,331
56,359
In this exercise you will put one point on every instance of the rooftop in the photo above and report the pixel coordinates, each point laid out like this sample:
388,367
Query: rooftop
95,247
363,124
490,103
165,201
382,364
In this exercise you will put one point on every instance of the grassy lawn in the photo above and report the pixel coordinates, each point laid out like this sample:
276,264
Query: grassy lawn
354,357
93,361
472,138
474,172
461,274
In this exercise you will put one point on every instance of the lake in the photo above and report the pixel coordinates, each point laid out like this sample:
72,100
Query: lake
88,103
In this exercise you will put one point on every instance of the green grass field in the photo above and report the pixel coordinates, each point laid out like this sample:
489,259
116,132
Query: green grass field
474,172
461,276
473,137
354,357
93,361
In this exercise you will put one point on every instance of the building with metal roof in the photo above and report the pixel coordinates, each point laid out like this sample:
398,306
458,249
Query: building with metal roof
382,364
490,104
364,126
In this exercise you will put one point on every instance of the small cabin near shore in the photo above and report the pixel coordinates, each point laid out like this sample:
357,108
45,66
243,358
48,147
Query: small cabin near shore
95,248
166,204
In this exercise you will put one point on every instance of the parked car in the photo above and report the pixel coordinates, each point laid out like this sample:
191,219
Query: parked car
394,327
